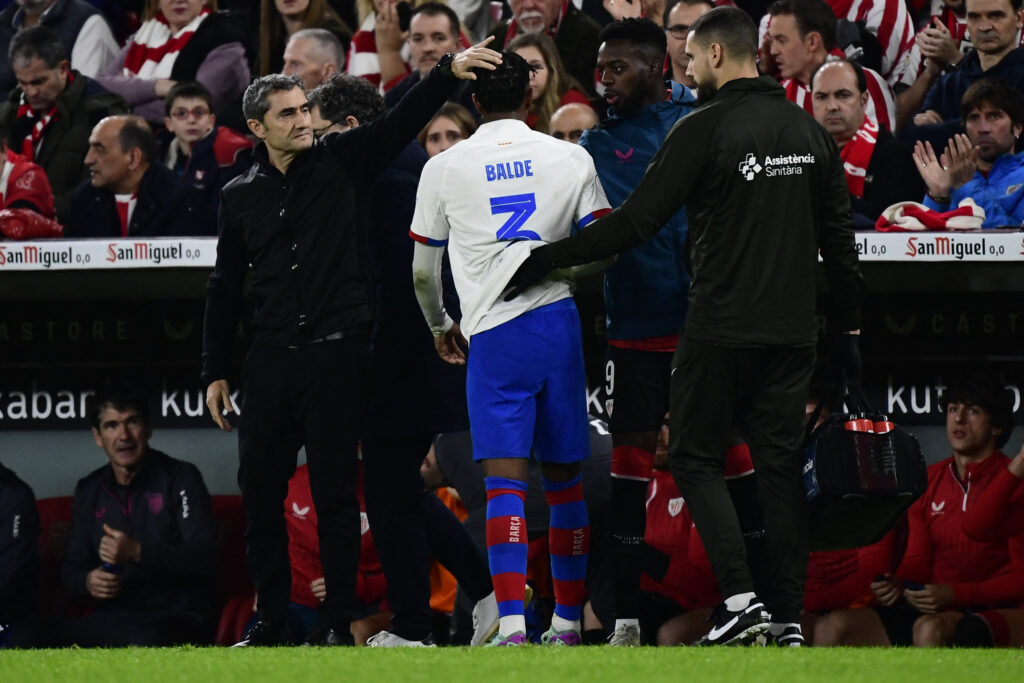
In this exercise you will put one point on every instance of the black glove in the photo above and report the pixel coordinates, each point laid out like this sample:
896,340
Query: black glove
534,269
846,366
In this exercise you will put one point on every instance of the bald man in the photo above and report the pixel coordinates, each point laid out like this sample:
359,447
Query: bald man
571,120
129,194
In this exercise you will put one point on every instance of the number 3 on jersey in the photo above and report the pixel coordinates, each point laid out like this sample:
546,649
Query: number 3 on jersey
521,206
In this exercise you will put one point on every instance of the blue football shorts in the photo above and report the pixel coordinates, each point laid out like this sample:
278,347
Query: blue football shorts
526,387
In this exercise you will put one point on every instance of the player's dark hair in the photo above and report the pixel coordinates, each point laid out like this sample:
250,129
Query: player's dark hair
995,93
436,9
643,33
191,90
503,90
37,41
984,389
121,395
135,133
343,95
730,27
811,16
858,72
256,99
671,5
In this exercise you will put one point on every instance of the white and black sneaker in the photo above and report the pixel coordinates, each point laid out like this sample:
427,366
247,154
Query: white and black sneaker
786,635
741,627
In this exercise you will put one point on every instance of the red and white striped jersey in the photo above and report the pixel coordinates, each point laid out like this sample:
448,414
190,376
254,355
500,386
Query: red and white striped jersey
892,24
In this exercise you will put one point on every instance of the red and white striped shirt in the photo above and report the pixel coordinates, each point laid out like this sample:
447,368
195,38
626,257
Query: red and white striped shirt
892,24
881,107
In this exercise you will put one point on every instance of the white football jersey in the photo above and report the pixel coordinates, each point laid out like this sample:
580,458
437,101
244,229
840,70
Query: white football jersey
494,197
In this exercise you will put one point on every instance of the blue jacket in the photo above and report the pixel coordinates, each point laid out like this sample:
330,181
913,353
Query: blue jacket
645,291
1000,194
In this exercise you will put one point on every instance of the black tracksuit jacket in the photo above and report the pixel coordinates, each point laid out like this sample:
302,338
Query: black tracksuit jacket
19,548
167,509
764,190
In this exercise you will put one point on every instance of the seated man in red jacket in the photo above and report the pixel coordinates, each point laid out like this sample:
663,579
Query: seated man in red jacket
944,572
999,513
26,200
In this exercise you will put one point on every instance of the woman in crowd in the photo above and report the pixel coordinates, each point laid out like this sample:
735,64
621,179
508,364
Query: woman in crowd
451,124
179,40
550,85
279,19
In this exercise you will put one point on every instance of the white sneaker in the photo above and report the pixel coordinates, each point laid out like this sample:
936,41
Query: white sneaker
485,620
388,639
627,635
485,617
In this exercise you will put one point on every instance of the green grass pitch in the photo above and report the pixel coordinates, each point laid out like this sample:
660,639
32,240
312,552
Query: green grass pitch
532,665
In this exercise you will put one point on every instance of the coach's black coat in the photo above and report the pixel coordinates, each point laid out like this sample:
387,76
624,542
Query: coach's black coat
304,233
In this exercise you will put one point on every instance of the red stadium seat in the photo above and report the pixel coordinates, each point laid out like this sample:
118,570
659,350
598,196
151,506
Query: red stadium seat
55,524
233,618
232,579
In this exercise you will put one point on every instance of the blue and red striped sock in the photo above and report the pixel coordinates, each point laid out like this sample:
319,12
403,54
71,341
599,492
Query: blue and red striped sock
569,545
507,547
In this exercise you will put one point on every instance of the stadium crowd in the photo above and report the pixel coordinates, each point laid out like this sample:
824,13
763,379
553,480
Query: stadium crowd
299,134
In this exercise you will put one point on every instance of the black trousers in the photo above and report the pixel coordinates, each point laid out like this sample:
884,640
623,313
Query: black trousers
310,396
410,525
761,392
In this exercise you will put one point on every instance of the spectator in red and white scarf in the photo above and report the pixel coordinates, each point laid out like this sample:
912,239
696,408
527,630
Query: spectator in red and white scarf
49,115
879,169
180,40
802,35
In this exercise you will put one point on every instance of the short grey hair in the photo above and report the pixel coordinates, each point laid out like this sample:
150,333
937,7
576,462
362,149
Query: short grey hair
256,100
329,49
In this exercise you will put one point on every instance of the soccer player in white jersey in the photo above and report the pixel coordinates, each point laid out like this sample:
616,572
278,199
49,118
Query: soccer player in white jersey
491,199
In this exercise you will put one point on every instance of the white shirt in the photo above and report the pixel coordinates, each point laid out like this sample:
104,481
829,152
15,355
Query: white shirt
492,199
95,47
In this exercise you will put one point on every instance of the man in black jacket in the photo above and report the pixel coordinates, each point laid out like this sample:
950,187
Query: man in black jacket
19,552
763,195
131,194
143,541
300,217
880,169
410,524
